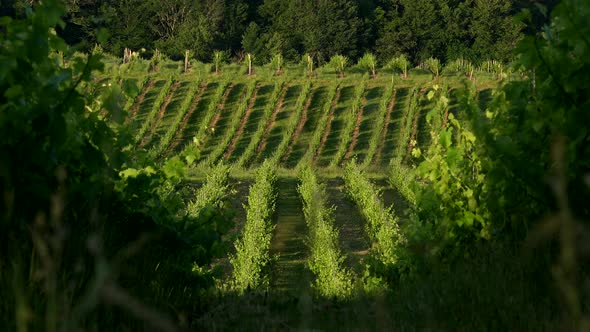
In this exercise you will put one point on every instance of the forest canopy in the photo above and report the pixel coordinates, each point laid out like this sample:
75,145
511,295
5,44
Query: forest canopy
475,30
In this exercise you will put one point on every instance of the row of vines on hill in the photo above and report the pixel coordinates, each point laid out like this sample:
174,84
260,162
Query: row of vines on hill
233,126
270,107
142,86
316,139
209,114
349,122
384,105
214,189
382,225
292,124
325,259
151,116
252,249
405,130
176,122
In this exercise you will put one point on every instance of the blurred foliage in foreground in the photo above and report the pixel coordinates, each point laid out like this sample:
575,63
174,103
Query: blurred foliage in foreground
86,225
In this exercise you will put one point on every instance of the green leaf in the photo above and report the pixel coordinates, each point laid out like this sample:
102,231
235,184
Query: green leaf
430,94
102,36
13,92
129,173
130,88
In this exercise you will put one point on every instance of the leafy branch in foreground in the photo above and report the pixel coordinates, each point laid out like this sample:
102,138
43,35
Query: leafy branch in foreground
252,249
325,260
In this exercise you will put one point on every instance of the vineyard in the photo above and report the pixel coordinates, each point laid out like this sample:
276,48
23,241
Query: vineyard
331,165
316,154
293,122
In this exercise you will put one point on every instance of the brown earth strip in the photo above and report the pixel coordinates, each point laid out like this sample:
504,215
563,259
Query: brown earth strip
271,121
160,114
243,122
299,128
221,105
357,130
390,108
187,116
328,126
139,100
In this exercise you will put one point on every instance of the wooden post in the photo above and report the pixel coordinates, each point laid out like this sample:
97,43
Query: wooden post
186,60
249,56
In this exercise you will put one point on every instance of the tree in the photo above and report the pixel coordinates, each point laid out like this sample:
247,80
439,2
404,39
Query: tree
331,27
339,62
493,30
400,64
277,63
369,62
433,65
218,60
252,41
412,28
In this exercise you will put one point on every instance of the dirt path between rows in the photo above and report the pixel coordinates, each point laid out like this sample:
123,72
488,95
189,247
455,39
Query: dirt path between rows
300,127
272,121
243,122
350,225
139,100
328,126
385,128
179,134
221,106
160,114
356,132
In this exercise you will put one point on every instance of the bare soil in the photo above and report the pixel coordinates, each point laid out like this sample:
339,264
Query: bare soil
221,106
299,128
272,121
357,130
160,114
176,141
139,100
328,126
243,122
390,108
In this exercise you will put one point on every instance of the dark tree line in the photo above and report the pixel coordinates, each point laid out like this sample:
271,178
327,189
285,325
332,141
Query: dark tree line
476,30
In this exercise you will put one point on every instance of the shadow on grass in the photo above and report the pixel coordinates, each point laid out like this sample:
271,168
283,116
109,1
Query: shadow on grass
496,289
